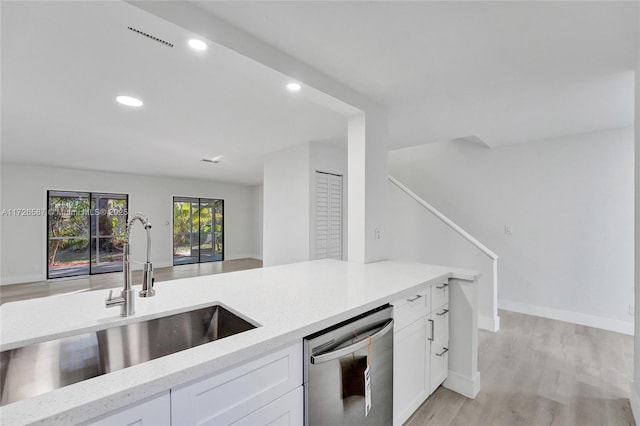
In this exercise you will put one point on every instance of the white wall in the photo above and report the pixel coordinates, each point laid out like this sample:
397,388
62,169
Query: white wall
570,202
286,206
289,197
259,204
23,240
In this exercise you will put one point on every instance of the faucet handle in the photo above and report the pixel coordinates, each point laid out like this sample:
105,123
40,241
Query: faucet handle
114,301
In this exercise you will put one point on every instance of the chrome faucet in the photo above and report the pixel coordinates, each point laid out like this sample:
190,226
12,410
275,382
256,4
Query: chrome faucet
127,296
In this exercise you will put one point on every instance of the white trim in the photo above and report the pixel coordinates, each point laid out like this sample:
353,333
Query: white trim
634,399
488,323
568,316
467,386
21,279
242,256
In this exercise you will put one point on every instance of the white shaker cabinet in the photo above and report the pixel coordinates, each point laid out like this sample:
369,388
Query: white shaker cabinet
411,371
259,386
155,411
284,411
420,358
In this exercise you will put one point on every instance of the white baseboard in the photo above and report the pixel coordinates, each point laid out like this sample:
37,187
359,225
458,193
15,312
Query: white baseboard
595,321
242,256
21,279
467,386
634,398
489,324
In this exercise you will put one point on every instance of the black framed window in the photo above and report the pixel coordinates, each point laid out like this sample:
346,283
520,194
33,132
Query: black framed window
198,230
85,233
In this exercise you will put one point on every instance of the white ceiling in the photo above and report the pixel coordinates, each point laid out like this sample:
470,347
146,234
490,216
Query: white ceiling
505,72
63,63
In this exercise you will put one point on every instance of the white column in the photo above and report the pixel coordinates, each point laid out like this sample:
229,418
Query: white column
635,386
367,187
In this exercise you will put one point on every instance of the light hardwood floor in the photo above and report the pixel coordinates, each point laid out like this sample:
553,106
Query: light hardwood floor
13,292
537,371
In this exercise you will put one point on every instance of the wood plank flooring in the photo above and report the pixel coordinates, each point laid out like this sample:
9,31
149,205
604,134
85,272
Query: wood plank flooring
537,371
13,292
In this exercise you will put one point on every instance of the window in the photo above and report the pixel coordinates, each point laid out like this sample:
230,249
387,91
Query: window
198,230
85,233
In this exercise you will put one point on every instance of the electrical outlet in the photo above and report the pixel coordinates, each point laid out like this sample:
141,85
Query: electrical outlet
508,229
631,309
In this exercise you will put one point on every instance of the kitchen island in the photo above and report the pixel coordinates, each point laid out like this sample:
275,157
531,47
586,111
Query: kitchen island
287,303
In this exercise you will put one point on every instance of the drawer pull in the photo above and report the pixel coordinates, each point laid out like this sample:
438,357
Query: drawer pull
444,312
444,351
414,298
432,330
442,287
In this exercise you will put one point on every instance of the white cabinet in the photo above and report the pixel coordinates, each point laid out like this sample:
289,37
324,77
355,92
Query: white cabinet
229,397
284,411
439,363
420,358
155,411
410,369
439,321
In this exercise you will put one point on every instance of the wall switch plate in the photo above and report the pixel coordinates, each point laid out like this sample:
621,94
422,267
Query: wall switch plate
508,229
378,233
631,309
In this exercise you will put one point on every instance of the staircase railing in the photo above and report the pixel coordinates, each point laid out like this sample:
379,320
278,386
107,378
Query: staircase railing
454,226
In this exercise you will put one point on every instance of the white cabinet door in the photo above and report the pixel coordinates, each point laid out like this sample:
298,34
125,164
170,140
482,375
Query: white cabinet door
229,396
328,216
284,411
410,369
151,412
439,363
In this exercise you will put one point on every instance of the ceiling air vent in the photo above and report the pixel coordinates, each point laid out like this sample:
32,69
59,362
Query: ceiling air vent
154,38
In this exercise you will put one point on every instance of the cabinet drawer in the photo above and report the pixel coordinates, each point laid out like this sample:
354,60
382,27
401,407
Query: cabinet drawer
439,295
231,395
439,363
440,319
288,410
409,309
153,411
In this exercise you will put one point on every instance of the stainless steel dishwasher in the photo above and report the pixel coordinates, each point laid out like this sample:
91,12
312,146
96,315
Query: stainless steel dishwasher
348,372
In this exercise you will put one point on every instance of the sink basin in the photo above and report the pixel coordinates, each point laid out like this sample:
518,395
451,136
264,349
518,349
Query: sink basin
42,367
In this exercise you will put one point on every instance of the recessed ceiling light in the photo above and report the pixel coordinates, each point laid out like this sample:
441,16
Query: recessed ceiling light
129,101
294,87
197,44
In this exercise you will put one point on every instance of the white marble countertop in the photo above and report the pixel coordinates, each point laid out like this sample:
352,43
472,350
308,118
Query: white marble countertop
288,301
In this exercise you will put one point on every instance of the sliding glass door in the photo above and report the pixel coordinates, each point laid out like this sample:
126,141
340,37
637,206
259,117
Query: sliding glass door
108,228
197,230
84,233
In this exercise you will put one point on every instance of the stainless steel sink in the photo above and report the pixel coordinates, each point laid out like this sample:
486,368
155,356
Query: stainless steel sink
42,367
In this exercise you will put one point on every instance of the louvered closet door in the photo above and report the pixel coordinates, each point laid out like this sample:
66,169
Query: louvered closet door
328,232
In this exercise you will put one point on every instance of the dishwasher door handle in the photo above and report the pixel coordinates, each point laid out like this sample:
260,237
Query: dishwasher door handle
338,353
